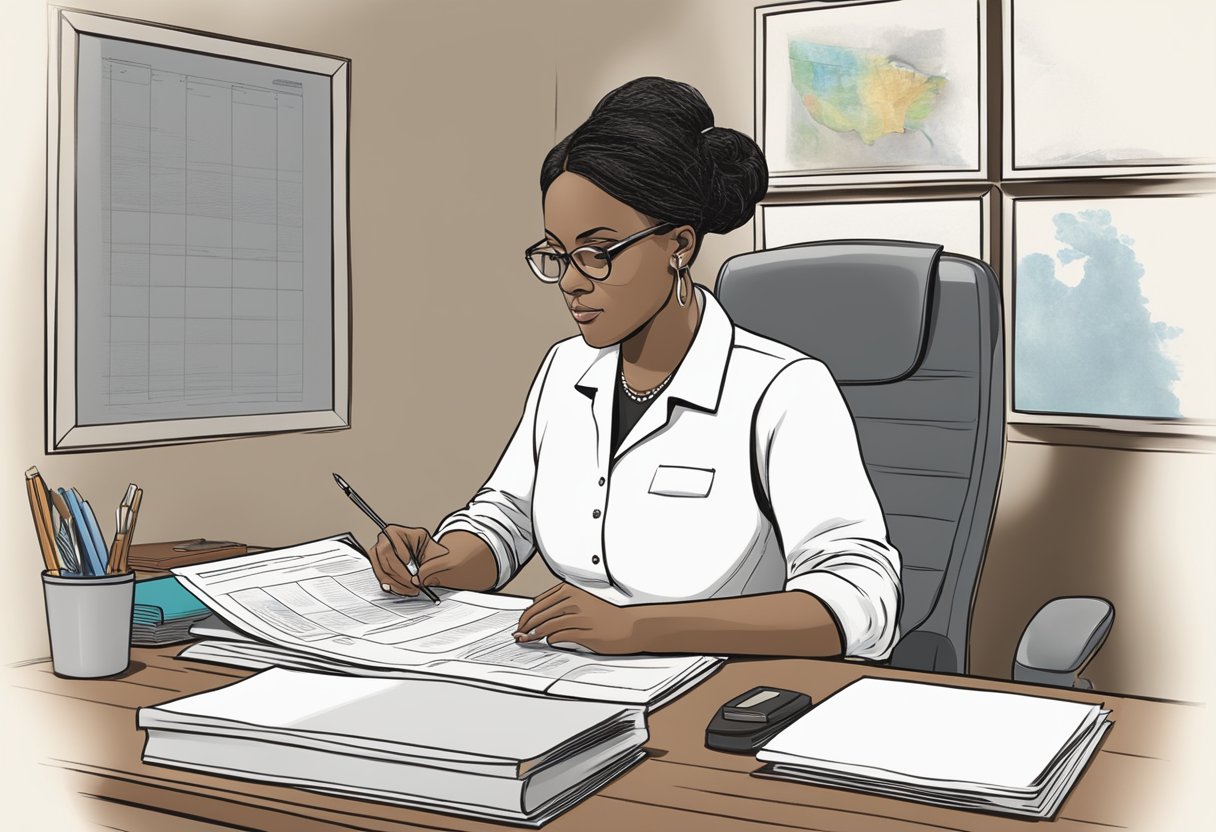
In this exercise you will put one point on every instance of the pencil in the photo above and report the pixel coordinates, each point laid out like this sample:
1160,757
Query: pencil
126,543
36,490
116,543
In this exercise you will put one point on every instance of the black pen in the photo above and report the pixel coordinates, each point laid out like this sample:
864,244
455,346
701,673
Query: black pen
357,500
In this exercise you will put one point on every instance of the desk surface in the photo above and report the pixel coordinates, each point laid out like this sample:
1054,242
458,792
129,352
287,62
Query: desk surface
682,785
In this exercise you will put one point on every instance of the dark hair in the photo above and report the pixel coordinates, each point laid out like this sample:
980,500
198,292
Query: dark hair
652,144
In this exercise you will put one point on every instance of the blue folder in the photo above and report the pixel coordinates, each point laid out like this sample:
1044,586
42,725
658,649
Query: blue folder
95,554
99,541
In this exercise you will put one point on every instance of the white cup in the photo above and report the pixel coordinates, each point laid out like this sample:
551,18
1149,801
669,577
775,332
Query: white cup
89,622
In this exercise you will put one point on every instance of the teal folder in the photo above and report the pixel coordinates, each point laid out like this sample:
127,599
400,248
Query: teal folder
164,600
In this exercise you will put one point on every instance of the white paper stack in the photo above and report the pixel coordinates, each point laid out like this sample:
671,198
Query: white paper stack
967,749
320,606
650,681
426,743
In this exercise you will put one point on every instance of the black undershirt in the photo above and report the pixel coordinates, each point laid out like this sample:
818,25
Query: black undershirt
625,413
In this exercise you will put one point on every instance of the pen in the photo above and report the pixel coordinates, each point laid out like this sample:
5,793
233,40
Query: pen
36,490
366,509
132,519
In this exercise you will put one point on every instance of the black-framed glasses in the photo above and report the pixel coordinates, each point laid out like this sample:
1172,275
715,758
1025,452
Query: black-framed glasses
595,262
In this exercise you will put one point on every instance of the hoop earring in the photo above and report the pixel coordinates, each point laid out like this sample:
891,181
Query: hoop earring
681,270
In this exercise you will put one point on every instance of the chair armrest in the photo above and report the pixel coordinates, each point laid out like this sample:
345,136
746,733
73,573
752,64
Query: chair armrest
1061,639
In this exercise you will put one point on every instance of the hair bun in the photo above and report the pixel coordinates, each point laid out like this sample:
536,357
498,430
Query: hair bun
737,179
652,144
678,104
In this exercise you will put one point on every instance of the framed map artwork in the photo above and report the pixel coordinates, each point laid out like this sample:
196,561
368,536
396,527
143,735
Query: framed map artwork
871,91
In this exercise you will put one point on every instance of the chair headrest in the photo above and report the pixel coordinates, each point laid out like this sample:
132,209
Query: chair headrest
860,306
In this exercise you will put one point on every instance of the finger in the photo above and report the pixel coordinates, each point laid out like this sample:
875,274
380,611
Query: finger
389,581
392,569
567,621
532,614
549,614
417,543
553,594
417,547
379,555
573,635
388,542
409,540
397,555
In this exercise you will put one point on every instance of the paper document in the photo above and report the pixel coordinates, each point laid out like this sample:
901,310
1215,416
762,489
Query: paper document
975,749
319,606
430,743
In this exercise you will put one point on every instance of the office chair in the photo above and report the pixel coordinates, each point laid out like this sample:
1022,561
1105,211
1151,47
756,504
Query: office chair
913,336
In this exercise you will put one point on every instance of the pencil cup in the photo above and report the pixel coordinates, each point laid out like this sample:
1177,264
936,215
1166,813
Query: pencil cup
89,621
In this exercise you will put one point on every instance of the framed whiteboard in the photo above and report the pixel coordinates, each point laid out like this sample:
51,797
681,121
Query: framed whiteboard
197,282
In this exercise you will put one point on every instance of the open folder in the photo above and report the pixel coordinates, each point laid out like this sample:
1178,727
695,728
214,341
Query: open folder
969,749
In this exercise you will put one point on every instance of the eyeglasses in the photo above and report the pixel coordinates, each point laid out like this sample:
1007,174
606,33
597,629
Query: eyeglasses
595,262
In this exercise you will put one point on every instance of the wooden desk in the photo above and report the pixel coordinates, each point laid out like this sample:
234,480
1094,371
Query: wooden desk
681,786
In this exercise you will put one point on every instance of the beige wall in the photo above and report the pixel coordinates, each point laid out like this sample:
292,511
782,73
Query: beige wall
453,108
1133,526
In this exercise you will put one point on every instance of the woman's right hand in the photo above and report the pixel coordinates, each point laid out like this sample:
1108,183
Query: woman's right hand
469,564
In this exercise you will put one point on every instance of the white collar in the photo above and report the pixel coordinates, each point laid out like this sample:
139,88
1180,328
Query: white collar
697,383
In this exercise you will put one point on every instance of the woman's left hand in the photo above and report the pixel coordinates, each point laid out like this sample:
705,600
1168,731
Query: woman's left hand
568,614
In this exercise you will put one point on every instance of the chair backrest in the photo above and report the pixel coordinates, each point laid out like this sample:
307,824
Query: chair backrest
913,337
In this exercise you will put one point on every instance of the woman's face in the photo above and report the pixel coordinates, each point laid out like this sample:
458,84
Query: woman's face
577,213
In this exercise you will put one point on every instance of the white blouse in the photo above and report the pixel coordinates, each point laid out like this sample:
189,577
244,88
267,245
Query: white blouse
742,477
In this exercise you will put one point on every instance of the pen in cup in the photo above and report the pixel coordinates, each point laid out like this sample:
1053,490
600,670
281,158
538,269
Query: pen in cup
366,509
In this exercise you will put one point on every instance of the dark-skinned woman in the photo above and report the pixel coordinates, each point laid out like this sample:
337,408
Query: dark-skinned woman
696,487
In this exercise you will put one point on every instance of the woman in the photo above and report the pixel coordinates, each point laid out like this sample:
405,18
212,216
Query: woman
664,455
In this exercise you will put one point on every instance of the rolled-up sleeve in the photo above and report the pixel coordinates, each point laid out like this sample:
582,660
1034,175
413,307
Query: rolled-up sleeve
831,524
500,513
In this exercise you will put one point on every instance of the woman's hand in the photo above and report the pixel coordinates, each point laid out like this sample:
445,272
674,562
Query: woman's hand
567,614
466,562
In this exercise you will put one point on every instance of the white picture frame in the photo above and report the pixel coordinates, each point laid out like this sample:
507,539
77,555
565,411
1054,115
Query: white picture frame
1155,121
70,73
961,222
1176,298
838,136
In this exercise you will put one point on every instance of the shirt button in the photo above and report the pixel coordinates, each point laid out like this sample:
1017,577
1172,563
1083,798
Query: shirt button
601,480
595,558
596,513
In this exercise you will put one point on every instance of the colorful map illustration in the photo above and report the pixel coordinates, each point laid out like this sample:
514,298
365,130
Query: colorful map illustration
861,91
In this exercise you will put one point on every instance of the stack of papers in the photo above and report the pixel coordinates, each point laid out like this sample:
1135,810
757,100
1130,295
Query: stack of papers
426,743
967,749
164,612
319,606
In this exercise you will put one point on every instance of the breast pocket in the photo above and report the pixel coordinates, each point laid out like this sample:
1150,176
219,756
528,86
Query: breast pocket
681,481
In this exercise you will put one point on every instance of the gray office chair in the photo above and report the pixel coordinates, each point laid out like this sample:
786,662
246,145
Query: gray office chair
914,339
